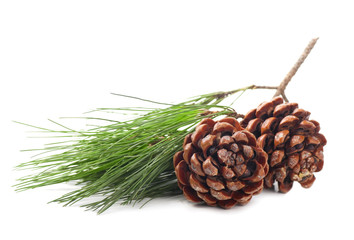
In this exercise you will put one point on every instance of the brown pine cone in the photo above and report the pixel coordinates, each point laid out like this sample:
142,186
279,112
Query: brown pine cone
220,164
292,141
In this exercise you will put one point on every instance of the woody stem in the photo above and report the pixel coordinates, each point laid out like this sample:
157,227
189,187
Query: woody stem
281,88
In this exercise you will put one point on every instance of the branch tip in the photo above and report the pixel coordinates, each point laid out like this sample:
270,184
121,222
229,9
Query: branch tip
293,70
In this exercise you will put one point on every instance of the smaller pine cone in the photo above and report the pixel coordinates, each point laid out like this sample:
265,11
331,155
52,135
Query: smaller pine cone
220,164
292,141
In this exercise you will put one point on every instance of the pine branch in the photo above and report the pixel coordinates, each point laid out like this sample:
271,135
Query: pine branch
130,161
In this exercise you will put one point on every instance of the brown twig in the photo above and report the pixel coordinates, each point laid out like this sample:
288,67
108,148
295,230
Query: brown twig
280,90
263,87
293,70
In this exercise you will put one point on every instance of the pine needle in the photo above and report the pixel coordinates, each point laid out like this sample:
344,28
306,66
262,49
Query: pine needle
125,162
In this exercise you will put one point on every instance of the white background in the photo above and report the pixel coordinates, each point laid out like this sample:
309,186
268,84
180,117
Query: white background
63,58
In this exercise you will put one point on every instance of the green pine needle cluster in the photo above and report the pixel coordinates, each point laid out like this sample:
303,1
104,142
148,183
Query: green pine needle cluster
125,162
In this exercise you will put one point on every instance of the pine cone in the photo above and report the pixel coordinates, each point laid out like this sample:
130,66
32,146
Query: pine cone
292,141
220,164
